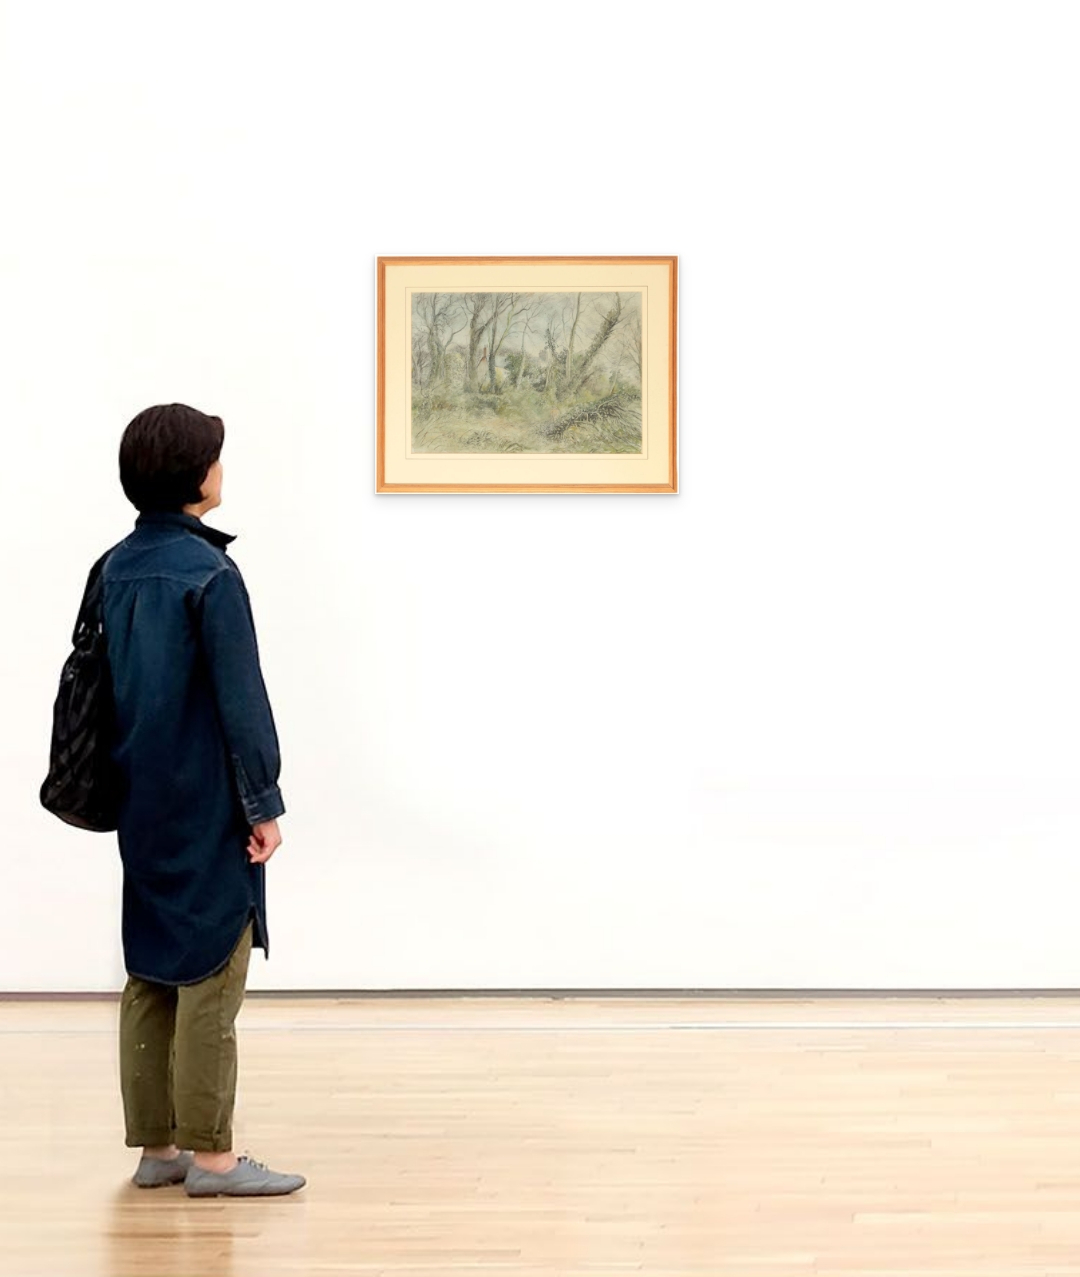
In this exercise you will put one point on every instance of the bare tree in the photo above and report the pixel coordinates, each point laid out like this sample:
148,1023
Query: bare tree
576,378
634,342
629,348
618,367
419,360
550,341
570,342
475,305
511,305
437,311
528,314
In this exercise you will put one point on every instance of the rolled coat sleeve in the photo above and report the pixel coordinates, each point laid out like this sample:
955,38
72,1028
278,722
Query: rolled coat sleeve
227,635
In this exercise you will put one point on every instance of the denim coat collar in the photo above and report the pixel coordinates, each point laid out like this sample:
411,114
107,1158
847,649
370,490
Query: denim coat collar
181,520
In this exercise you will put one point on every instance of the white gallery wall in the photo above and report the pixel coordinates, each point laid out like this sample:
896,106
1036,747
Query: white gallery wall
814,722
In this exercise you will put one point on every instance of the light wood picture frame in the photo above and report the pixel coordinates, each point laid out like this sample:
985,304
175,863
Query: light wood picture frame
527,374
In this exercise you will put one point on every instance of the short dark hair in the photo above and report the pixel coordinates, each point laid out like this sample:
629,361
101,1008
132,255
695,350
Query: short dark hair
165,454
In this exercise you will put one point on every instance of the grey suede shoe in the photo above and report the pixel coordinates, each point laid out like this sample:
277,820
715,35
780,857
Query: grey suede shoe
154,1172
248,1178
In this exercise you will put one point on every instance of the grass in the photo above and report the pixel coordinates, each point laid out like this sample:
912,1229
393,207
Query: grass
526,421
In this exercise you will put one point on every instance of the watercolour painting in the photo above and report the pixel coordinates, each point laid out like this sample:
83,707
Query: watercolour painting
526,372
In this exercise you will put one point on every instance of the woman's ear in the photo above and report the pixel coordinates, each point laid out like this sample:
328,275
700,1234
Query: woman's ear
211,489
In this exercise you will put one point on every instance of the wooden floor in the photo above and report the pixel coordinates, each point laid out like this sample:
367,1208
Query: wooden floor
924,1137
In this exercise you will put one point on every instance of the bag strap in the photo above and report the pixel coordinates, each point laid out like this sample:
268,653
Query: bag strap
88,621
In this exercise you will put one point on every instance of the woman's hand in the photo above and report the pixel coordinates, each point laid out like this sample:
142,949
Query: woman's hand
265,840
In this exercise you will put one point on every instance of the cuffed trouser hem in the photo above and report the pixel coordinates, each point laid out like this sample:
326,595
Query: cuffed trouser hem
160,1138
204,1143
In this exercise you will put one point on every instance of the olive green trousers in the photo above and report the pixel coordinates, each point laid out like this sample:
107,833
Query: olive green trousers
178,1057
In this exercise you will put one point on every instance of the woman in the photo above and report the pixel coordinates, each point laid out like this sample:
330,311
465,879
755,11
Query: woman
198,752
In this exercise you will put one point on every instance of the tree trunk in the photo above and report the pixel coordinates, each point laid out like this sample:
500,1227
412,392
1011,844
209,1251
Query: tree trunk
491,350
606,329
549,339
476,331
521,366
570,343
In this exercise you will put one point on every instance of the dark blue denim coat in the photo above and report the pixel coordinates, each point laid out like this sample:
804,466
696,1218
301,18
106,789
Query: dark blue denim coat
196,746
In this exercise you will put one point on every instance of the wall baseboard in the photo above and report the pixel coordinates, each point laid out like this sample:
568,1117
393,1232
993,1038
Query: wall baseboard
695,995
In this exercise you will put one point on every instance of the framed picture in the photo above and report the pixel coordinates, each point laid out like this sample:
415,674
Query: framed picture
527,374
